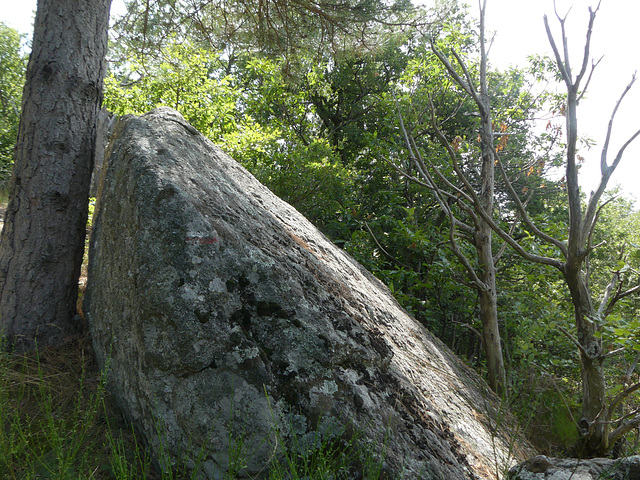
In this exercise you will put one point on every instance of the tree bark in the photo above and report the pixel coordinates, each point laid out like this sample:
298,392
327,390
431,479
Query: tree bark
593,423
483,238
491,335
488,291
42,243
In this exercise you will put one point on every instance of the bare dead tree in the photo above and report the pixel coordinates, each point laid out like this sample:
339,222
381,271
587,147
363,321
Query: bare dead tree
598,428
470,199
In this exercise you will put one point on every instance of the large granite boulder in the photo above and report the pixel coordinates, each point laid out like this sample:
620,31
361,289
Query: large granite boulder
223,314
546,468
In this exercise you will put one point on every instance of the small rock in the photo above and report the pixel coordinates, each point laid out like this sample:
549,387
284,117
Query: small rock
546,468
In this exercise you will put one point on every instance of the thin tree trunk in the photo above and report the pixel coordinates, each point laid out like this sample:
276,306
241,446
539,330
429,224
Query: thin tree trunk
489,316
483,243
43,239
593,423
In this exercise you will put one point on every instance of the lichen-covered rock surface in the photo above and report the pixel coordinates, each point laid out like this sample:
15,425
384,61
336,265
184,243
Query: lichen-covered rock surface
546,468
223,314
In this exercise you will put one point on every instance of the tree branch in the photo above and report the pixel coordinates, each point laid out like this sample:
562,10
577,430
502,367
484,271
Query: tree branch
586,85
619,297
564,70
512,229
623,429
387,254
467,86
417,159
605,170
575,341
588,249
525,217
618,399
429,182
587,44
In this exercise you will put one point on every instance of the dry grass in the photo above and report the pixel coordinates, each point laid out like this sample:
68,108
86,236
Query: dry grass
58,421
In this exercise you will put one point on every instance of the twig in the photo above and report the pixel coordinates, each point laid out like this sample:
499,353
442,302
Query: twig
575,341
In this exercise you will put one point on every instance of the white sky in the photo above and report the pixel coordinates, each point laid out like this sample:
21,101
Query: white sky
520,32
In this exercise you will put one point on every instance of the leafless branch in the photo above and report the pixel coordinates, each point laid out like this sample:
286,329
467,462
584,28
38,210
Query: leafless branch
471,329
575,341
469,193
523,212
620,296
512,229
418,161
586,85
605,170
621,396
564,69
466,85
429,182
615,352
423,170
593,224
587,45
633,366
383,250
623,429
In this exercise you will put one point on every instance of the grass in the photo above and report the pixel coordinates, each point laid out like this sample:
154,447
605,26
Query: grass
57,421
55,417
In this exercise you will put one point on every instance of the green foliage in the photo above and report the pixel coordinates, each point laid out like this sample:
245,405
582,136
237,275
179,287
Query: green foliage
256,116
13,65
256,27
326,452
408,253
300,165
319,128
188,79
50,409
548,410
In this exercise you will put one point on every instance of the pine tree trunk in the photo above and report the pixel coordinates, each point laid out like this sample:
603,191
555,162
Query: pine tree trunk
43,240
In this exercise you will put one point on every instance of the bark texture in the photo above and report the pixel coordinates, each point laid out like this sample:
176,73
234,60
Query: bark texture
43,239
220,309
488,293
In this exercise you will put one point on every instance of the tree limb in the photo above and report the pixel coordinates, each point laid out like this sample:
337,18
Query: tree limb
605,170
587,45
564,70
619,297
467,86
525,217
586,85
383,250
621,396
512,229
623,430
575,341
